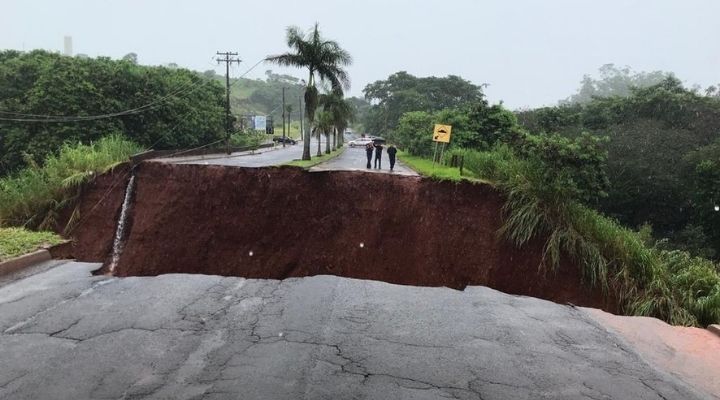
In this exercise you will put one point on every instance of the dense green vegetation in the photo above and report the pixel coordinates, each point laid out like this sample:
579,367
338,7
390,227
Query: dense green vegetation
663,157
403,92
34,196
18,241
594,179
647,280
169,108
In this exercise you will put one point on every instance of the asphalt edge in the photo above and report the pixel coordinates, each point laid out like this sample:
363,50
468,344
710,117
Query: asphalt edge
27,260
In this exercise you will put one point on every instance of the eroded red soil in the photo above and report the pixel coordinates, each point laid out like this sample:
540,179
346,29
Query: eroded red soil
286,222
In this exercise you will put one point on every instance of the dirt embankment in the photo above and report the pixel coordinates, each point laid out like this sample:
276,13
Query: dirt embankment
286,222
99,207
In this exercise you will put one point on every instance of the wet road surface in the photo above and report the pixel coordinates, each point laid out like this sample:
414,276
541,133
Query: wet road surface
355,159
259,158
66,334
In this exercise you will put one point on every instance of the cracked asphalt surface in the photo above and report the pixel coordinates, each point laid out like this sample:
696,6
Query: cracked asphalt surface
69,335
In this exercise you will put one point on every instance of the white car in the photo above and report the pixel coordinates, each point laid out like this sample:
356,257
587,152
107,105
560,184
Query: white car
359,142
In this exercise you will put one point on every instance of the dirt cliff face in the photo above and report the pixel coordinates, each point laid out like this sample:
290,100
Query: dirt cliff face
286,222
99,207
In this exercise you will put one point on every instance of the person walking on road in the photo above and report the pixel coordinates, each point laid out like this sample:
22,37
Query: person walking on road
378,155
369,151
391,155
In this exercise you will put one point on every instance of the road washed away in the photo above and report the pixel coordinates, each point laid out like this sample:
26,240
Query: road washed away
68,334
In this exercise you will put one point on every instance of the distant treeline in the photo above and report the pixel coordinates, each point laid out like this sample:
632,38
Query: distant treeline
663,162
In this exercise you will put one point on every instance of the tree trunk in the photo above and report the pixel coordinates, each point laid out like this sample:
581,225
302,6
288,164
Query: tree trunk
306,140
327,142
310,106
334,146
319,136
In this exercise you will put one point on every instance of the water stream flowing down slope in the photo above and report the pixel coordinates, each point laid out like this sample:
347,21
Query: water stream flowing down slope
118,241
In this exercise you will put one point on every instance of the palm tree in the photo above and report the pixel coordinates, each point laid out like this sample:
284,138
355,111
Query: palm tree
342,114
324,60
324,126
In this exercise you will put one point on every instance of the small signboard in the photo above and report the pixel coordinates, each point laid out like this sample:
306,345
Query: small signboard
260,122
442,133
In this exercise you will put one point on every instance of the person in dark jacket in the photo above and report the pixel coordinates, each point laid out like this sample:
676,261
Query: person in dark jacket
369,151
378,155
391,155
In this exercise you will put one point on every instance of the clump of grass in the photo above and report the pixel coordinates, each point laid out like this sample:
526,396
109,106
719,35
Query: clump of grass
33,196
438,171
18,241
646,280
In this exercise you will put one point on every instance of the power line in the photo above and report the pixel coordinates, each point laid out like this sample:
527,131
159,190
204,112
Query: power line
49,118
236,80
185,87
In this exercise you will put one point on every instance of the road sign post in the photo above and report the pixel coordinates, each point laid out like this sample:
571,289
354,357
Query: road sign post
441,134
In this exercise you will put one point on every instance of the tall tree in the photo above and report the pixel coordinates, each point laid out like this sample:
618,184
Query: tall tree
342,113
324,59
402,93
614,81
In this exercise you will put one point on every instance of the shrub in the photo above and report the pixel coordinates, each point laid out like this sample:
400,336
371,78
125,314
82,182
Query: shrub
670,285
247,139
34,196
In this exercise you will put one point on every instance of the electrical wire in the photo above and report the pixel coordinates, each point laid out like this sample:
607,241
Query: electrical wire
237,79
186,87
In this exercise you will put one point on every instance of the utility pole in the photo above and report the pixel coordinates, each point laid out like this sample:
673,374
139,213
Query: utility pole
229,59
283,115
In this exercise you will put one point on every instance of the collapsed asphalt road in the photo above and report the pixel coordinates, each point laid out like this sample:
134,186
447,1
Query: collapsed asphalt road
69,335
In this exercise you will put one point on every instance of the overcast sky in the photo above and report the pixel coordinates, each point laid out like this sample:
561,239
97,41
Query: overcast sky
532,53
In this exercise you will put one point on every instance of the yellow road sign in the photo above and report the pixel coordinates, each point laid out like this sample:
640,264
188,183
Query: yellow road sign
442,133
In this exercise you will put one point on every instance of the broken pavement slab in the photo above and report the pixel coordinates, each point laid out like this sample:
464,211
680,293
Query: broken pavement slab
68,334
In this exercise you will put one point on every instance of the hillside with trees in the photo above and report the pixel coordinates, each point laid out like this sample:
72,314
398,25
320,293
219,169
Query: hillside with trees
250,97
663,145
47,99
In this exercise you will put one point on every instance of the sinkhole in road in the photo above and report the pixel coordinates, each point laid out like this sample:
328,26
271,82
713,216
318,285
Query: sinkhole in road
282,222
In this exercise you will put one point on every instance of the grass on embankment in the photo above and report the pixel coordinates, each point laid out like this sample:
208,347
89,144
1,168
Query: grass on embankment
670,285
426,167
15,242
34,196
316,160
645,280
